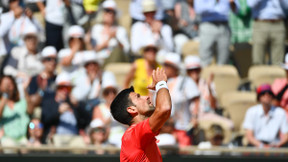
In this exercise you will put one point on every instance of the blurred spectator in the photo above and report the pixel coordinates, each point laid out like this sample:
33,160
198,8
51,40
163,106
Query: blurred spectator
215,135
35,132
184,93
241,23
43,84
266,125
279,88
206,110
214,29
22,24
187,23
187,18
269,28
151,28
27,58
111,39
136,7
102,111
98,135
72,58
53,13
13,113
166,136
141,71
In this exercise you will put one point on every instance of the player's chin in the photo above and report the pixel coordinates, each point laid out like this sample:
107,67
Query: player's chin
150,111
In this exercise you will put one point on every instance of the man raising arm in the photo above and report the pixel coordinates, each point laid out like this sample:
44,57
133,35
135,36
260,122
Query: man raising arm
145,120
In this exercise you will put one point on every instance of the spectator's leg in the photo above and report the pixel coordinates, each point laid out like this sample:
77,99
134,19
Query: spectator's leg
277,42
54,35
260,38
207,39
223,42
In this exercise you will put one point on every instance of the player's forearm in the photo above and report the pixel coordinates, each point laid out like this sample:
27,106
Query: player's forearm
163,103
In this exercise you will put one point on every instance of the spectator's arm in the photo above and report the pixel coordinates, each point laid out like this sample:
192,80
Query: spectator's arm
41,7
167,36
283,130
130,76
122,38
136,42
177,9
252,140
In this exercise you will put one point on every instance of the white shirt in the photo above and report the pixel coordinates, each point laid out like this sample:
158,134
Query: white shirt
54,11
141,32
84,89
182,90
99,35
6,21
77,61
266,128
27,63
135,10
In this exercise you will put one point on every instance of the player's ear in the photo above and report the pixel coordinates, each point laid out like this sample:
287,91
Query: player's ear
132,110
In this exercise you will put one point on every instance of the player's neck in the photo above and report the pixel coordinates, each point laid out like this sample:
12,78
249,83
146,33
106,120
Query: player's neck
139,118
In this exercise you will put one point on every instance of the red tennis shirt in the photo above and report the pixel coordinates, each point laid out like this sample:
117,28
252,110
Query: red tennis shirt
139,144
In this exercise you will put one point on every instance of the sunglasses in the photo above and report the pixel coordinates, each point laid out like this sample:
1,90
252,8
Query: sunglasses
48,59
109,11
68,88
33,126
107,91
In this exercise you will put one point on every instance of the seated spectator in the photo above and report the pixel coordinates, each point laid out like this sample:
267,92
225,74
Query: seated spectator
266,125
151,29
215,135
136,7
206,110
27,58
43,84
22,23
279,88
184,94
13,113
102,112
142,68
35,133
111,39
98,135
8,18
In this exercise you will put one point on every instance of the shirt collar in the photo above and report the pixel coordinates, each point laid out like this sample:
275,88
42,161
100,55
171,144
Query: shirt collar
270,112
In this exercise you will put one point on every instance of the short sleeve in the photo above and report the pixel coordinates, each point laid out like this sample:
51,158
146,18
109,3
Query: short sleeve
248,121
144,133
284,123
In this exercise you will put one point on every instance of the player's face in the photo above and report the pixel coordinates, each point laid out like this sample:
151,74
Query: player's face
143,104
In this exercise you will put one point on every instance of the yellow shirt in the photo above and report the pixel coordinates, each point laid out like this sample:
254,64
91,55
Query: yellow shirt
141,78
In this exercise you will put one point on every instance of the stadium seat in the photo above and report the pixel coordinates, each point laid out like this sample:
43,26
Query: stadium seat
190,48
120,71
260,74
226,78
68,140
236,104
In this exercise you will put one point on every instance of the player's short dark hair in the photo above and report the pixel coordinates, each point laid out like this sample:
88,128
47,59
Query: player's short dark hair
119,106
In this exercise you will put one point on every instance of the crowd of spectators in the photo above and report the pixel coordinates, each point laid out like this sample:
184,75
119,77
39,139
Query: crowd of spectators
53,54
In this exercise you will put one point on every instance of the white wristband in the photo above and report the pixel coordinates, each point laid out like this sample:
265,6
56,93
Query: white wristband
161,84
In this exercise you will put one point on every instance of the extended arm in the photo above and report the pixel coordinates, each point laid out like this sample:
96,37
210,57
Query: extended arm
163,101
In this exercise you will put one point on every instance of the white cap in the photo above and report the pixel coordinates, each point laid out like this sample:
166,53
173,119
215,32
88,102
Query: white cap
109,81
96,123
90,56
111,4
149,43
285,65
48,52
30,30
76,31
173,59
192,62
148,6
63,79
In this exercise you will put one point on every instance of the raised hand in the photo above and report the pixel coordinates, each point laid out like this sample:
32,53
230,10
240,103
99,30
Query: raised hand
157,76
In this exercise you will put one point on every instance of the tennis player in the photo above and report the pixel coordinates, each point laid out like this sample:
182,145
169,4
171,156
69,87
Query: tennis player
145,120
